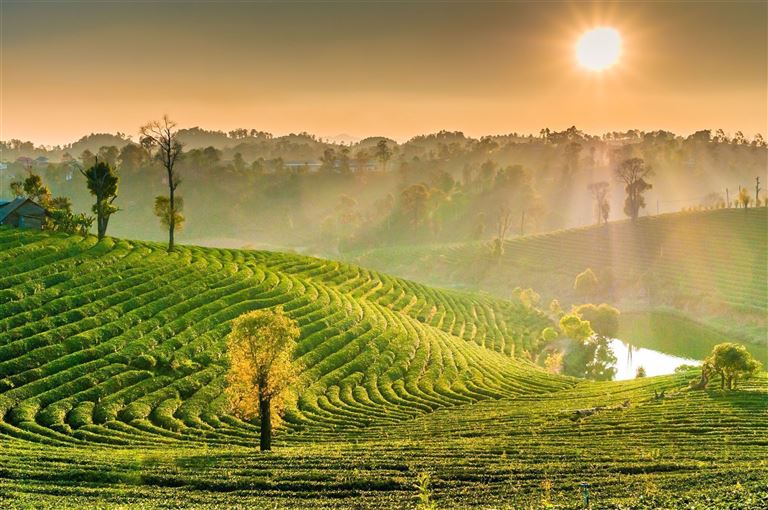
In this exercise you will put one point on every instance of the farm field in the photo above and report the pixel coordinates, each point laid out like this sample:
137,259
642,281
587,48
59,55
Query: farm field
111,379
709,266
690,450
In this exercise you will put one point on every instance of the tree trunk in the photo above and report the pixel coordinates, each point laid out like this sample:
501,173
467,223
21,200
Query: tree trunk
265,412
172,211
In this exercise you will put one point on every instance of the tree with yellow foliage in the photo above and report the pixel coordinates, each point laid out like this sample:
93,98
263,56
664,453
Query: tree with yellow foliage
261,367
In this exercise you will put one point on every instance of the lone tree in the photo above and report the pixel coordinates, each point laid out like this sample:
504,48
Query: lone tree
744,198
261,368
163,137
586,284
731,361
102,182
503,224
33,188
383,154
633,172
599,192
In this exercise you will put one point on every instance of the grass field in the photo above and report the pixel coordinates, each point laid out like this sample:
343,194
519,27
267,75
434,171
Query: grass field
711,266
111,378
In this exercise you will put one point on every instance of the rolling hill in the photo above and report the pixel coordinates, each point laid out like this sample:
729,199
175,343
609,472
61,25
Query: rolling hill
111,379
99,341
711,266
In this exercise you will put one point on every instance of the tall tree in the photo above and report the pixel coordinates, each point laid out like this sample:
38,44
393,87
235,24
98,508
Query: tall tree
572,154
503,224
261,367
633,172
109,154
102,181
383,154
33,188
414,202
88,158
599,192
132,156
744,198
163,136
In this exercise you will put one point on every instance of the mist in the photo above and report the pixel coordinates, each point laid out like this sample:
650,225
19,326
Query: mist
247,188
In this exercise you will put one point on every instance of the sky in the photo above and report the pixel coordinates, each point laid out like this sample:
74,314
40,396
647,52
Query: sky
398,69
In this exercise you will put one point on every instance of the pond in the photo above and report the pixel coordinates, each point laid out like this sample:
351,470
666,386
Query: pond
661,342
630,357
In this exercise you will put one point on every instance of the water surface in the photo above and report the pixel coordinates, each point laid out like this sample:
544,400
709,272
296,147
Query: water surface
630,357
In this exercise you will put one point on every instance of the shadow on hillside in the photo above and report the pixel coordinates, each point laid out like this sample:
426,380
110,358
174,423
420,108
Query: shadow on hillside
746,399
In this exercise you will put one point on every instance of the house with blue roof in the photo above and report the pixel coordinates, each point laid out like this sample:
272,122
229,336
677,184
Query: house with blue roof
22,213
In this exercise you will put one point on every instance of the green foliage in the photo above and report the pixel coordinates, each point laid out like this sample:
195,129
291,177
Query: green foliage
603,318
164,213
633,172
529,298
586,284
572,326
645,262
144,362
102,182
380,355
731,362
588,355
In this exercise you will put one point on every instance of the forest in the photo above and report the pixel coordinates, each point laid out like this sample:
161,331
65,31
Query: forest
301,192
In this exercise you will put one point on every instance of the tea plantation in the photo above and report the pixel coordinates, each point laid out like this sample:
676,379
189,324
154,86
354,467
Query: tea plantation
111,379
712,266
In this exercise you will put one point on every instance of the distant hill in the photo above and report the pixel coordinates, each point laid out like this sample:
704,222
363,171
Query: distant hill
709,265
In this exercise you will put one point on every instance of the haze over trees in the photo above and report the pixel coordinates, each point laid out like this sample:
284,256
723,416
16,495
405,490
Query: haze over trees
633,173
599,191
287,186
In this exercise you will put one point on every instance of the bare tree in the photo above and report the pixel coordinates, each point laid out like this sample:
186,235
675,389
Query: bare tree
163,137
503,224
632,172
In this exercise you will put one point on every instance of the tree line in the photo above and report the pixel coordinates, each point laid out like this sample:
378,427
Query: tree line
443,187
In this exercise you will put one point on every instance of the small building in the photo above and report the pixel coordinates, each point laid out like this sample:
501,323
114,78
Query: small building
23,213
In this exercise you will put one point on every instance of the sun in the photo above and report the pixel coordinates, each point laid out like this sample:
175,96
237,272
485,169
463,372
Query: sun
599,48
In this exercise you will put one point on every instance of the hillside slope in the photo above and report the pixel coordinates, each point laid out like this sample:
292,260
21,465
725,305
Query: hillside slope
710,264
122,343
689,450
111,395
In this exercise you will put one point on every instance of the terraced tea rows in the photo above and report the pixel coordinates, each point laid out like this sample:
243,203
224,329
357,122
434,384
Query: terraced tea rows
121,343
688,450
111,378
713,262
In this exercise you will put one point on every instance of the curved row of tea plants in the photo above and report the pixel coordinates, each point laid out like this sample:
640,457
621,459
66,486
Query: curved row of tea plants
690,449
122,343
709,264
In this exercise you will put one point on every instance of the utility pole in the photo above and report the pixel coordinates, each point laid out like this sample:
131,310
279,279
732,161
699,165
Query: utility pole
727,199
757,191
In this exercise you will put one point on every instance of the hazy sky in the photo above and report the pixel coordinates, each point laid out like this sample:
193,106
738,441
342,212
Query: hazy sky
391,68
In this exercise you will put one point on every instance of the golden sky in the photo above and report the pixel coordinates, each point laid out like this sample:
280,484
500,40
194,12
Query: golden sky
398,68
